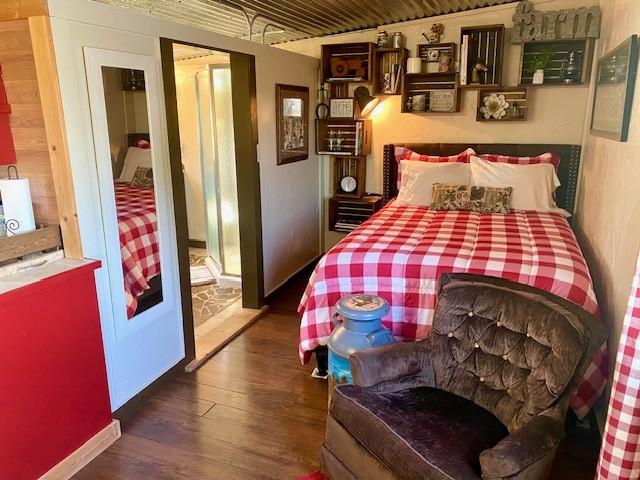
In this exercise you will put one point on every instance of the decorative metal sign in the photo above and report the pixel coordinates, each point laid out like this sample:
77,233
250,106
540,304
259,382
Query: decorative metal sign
529,24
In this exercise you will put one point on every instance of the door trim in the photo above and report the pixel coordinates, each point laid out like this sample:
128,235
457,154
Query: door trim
243,83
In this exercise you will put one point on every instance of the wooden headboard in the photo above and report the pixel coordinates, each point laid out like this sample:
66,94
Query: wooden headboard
132,138
567,171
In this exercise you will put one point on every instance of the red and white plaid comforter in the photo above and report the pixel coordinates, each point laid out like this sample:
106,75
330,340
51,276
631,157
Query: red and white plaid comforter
138,229
400,252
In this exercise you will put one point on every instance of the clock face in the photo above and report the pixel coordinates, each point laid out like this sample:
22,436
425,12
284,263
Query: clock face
348,184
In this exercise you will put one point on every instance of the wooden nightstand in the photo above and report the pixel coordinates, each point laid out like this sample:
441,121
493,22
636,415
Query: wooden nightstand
345,214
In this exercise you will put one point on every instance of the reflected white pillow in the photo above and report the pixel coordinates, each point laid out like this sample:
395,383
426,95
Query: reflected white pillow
136,157
533,185
417,179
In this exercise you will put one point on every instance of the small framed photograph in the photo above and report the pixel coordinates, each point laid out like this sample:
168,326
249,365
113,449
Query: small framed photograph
292,122
342,108
433,55
613,97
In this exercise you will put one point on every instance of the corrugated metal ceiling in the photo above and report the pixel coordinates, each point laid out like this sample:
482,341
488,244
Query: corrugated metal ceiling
287,20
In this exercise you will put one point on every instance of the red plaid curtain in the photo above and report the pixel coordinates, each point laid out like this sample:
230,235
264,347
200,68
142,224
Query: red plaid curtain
620,454
7,152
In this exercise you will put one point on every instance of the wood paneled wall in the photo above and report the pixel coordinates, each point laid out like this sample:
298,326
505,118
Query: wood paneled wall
15,9
37,123
27,121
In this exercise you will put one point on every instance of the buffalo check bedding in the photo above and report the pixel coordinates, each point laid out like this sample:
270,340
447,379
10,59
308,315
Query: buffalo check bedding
400,252
138,230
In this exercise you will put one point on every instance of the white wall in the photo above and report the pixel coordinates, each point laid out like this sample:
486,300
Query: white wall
556,114
290,193
608,219
190,149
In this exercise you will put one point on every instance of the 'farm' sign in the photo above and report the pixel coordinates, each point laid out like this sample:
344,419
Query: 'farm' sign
529,25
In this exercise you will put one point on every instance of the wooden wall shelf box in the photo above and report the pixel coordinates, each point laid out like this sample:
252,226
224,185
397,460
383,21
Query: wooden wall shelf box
431,64
517,95
383,59
347,62
483,44
355,167
560,49
355,135
41,239
346,214
426,83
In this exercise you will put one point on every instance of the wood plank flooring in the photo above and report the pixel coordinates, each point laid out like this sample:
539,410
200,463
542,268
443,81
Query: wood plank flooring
251,412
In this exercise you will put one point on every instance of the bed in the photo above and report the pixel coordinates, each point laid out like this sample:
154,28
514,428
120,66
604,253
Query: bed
400,252
139,247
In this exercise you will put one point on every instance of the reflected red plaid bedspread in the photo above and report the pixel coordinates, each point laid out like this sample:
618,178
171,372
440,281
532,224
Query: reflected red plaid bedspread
138,229
400,252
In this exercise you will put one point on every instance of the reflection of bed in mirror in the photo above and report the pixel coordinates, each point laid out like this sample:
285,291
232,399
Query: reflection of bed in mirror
138,227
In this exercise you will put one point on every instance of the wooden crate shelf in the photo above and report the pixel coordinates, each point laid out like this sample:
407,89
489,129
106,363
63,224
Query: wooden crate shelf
484,44
431,64
41,239
383,61
429,84
354,59
560,50
355,134
513,95
345,214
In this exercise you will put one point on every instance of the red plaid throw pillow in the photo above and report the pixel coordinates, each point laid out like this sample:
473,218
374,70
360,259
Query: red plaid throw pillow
403,153
550,157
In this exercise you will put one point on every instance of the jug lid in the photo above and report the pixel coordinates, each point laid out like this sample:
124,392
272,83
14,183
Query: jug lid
362,307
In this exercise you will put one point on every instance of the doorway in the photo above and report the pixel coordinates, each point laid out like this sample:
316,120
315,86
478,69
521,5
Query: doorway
221,276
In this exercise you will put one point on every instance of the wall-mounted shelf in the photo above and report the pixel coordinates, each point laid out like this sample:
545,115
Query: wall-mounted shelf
384,60
513,96
345,214
343,137
431,54
556,72
347,62
440,90
481,44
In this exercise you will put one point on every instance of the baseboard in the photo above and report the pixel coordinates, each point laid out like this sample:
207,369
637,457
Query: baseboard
305,270
197,244
93,447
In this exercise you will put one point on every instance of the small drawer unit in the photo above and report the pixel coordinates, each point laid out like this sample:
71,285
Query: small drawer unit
345,214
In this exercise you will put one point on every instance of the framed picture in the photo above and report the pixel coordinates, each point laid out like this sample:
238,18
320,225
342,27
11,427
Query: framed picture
342,108
613,98
292,123
442,101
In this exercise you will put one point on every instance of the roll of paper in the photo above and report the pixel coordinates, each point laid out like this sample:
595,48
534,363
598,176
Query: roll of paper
18,210
414,65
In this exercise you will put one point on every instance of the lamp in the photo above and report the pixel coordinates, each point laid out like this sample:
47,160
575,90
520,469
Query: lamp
365,100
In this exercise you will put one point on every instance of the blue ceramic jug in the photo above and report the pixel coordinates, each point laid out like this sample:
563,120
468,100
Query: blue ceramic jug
361,328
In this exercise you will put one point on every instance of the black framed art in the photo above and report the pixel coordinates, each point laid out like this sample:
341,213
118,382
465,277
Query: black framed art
613,98
292,123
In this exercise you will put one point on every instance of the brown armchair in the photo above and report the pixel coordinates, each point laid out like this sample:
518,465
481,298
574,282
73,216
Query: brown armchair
484,396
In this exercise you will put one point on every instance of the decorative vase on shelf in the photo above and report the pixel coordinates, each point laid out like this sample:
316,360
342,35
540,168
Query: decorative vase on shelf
538,77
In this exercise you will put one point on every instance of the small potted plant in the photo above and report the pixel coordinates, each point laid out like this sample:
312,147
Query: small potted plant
538,65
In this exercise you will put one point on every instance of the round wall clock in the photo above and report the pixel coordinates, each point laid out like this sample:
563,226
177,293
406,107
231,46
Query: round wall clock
348,184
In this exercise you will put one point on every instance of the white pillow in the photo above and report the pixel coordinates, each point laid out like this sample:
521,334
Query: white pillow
533,185
417,179
136,157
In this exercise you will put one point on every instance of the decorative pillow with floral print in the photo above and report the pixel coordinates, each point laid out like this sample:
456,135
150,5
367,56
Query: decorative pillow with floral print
143,178
469,197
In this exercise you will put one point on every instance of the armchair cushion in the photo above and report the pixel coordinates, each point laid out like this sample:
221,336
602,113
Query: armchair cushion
418,433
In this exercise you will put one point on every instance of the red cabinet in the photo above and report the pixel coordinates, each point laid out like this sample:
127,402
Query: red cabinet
53,383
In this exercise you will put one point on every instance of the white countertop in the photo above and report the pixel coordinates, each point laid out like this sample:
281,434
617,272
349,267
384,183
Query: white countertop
33,271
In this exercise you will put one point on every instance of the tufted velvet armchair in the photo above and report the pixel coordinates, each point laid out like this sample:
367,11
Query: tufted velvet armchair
484,396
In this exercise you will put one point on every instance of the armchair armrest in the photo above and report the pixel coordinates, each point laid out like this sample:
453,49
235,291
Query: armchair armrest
527,452
387,363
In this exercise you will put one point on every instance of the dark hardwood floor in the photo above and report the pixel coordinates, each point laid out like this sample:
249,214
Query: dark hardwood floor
251,412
